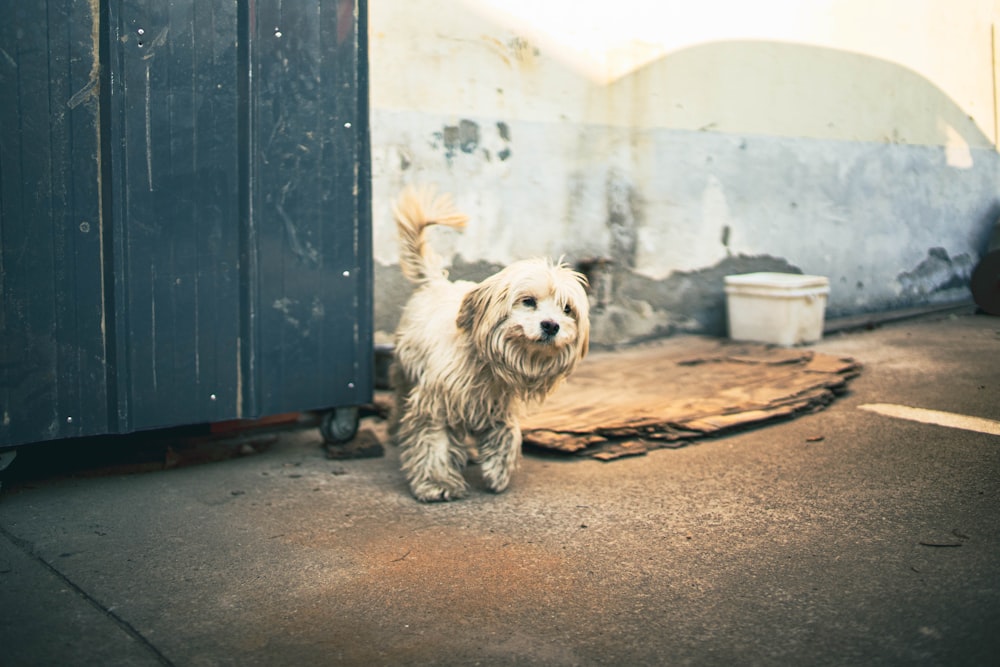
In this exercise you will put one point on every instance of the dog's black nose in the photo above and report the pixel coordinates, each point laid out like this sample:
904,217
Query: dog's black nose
550,328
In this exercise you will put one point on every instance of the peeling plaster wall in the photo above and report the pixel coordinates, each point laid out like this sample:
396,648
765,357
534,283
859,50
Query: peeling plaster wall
717,158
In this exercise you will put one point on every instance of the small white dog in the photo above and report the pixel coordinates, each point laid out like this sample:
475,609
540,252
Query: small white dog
469,357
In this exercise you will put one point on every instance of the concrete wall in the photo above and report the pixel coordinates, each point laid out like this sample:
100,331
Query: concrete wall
854,139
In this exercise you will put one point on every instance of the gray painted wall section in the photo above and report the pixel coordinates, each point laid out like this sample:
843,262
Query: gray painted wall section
865,215
890,225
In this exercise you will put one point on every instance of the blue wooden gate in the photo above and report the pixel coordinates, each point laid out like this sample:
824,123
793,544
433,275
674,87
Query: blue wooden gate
184,213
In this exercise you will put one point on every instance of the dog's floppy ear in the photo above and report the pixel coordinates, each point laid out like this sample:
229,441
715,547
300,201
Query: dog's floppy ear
471,303
582,303
583,335
482,309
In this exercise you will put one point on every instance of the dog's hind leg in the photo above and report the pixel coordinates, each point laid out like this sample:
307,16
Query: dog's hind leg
402,386
499,450
433,460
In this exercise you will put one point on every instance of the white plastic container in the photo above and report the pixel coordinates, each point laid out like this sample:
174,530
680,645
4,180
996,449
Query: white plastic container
779,308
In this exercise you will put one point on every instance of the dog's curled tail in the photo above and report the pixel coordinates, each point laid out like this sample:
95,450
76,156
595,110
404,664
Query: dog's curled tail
415,211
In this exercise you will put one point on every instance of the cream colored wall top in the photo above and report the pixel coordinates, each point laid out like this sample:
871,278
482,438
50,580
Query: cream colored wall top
917,72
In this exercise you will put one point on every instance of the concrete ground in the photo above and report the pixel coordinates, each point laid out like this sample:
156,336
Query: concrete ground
844,537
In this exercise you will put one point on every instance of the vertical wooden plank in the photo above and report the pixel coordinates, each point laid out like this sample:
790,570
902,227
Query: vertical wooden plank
179,103
363,198
312,282
12,233
248,404
81,352
64,334
143,246
31,264
214,160
53,357
114,226
285,240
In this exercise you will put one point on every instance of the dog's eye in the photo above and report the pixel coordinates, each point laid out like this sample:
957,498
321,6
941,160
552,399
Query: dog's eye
529,302
568,309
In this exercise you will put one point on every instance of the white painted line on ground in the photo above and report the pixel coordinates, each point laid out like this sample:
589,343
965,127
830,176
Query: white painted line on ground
924,416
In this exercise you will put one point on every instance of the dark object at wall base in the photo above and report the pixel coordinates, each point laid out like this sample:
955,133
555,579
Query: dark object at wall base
985,282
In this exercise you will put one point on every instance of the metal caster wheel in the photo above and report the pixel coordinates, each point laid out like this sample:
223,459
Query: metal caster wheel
339,424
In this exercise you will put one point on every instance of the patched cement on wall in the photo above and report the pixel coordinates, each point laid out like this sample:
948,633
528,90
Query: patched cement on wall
860,214
675,211
640,308
694,302
938,278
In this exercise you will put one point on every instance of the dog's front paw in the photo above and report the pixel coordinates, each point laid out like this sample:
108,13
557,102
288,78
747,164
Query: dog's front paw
500,450
496,474
432,492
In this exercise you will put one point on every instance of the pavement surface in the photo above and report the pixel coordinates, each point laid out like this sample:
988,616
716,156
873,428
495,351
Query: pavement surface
845,537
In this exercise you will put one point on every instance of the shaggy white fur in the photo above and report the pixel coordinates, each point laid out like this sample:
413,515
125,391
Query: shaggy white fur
469,357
